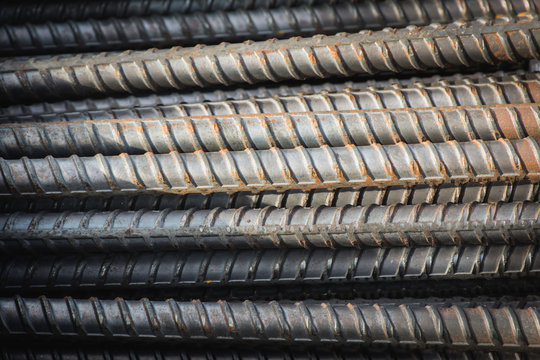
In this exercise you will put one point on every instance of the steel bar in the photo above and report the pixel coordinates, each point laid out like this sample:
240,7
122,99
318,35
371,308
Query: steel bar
431,194
148,352
235,26
265,267
275,169
480,326
19,12
457,89
457,45
166,230
269,131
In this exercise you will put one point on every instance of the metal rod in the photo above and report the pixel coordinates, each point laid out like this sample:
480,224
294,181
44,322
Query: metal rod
457,89
235,26
265,267
456,45
283,130
393,225
275,169
479,326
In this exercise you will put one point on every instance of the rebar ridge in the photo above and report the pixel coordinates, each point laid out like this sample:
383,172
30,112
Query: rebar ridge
266,267
393,225
38,11
234,26
479,327
274,169
516,86
456,45
267,131
432,194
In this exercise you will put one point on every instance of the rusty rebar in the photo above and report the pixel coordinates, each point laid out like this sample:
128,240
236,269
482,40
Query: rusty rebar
275,169
283,130
235,26
471,89
57,351
431,194
457,45
471,326
392,225
19,12
265,267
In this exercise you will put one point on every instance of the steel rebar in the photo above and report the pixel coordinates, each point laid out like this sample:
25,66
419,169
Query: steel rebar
480,326
275,169
457,45
266,267
516,86
166,230
235,26
270,131
431,194
17,12
148,352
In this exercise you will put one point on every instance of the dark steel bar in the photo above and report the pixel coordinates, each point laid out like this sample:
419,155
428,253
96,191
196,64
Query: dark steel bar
275,169
478,326
265,268
457,45
394,225
236,26
267,131
471,89
431,194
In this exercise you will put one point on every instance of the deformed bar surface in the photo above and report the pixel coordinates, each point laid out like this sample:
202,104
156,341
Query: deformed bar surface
393,225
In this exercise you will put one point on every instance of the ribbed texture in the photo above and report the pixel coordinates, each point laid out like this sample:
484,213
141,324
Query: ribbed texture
147,352
61,10
283,130
266,267
479,327
394,225
459,44
432,194
299,168
235,26
509,83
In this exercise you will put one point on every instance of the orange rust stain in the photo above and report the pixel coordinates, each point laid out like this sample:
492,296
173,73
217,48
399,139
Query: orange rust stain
528,157
506,125
497,47
534,90
334,52
312,59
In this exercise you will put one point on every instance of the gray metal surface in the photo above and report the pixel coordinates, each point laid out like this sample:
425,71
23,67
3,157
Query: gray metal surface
235,26
457,45
516,87
473,326
265,268
283,130
393,225
259,170
432,194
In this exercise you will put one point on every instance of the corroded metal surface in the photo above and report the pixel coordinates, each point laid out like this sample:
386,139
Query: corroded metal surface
265,268
235,26
480,326
274,169
393,225
457,45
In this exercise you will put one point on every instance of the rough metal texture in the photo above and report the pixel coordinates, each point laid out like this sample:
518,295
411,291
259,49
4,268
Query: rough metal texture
393,225
283,130
456,45
481,326
149,352
259,170
61,10
235,26
265,267
432,194
514,86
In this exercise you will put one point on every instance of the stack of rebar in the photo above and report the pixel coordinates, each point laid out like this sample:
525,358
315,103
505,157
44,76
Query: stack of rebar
269,179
